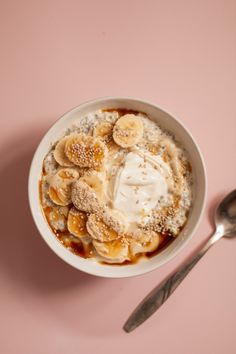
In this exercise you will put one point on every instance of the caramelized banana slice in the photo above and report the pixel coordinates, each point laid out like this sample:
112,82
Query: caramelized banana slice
104,131
94,181
86,151
76,222
60,186
54,196
57,218
140,246
115,220
68,174
112,252
128,130
59,153
84,198
99,230
142,236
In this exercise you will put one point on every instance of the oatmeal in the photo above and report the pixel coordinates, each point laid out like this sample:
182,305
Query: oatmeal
116,187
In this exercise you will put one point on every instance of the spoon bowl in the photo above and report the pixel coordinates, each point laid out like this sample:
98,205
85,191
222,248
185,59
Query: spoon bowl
225,215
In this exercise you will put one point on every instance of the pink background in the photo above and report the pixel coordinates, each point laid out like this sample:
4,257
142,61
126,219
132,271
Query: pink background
57,54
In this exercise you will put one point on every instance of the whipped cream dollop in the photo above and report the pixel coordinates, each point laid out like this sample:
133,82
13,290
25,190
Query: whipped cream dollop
139,184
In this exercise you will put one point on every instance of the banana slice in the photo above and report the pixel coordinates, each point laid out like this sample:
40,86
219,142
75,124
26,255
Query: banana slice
76,222
86,151
112,252
115,220
104,131
60,186
94,181
84,198
54,196
99,230
68,174
142,236
128,130
59,153
138,246
57,218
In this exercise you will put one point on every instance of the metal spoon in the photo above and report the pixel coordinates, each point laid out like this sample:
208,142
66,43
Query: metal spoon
225,225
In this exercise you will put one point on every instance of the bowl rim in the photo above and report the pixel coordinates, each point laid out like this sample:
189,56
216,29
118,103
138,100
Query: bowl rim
185,241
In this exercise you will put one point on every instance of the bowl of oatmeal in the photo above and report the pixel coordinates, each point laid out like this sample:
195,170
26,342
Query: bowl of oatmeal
117,187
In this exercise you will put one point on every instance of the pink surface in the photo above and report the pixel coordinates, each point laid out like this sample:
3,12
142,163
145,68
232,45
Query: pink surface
56,54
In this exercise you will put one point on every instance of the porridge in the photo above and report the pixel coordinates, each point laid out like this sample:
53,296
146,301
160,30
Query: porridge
116,187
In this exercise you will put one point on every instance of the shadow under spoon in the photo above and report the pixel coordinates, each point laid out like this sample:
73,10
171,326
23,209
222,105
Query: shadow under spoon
225,226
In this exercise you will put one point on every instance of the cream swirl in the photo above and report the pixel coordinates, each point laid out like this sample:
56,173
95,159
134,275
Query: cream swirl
139,185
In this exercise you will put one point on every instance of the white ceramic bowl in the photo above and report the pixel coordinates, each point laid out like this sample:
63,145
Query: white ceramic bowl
166,121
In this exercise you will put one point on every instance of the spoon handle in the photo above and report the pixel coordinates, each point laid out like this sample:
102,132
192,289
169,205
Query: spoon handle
161,293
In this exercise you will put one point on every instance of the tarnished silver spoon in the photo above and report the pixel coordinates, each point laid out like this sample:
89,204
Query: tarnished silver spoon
225,225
